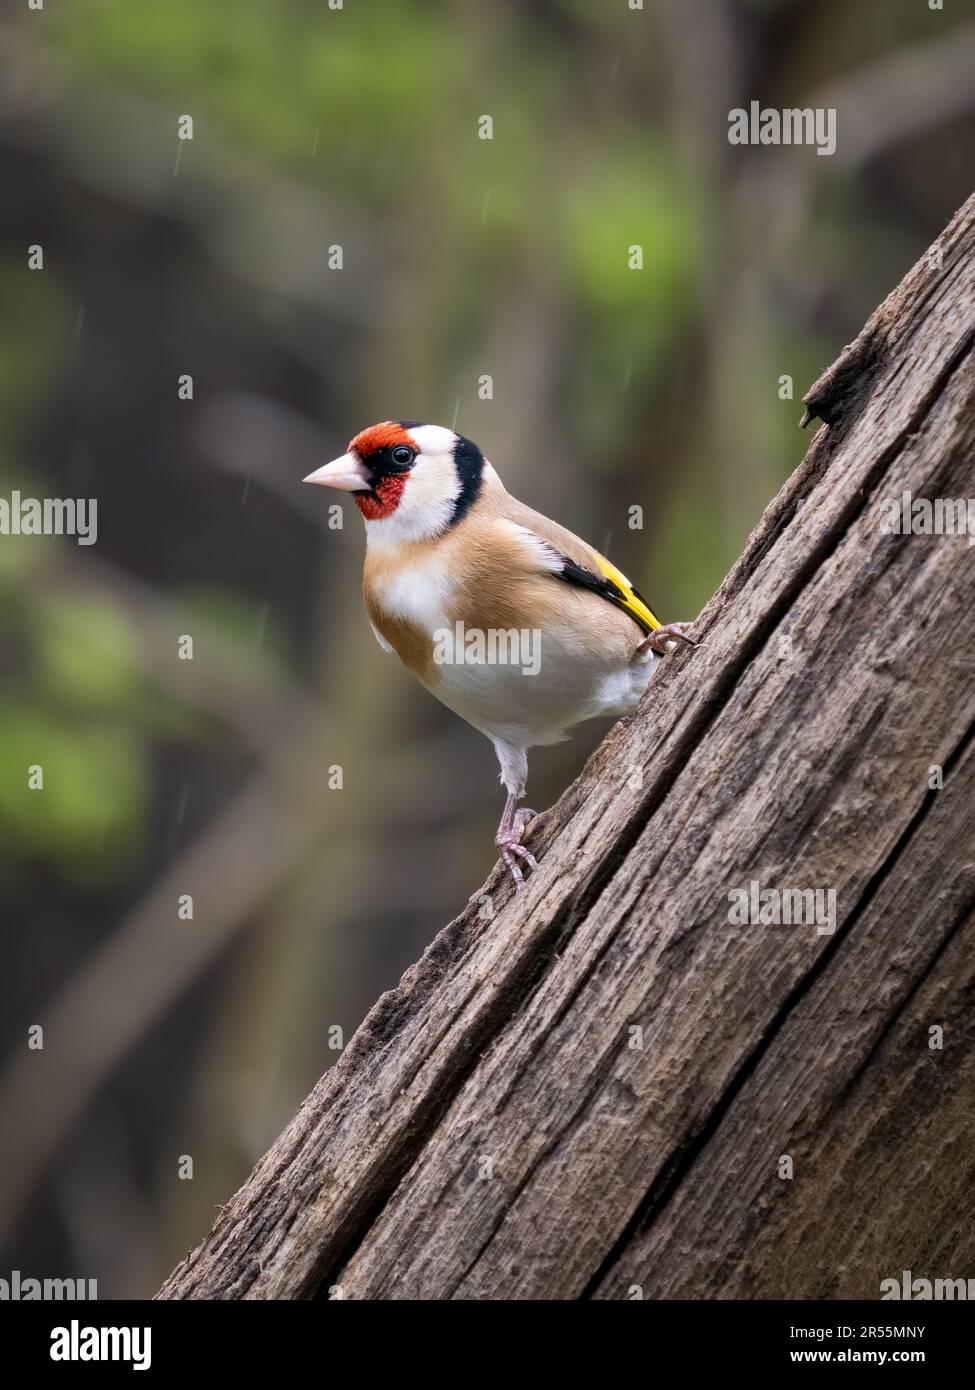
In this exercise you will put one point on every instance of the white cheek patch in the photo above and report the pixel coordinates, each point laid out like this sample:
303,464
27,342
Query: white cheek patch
433,439
427,503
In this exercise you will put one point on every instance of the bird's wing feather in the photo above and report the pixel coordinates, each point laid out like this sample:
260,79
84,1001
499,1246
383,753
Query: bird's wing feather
614,586
568,558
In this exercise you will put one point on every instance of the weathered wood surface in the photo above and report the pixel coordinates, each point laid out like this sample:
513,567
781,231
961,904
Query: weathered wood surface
794,748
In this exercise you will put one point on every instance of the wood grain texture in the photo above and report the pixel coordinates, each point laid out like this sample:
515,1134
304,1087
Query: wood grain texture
587,1094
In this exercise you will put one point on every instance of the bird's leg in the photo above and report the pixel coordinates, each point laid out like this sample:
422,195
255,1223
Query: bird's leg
666,639
508,839
514,774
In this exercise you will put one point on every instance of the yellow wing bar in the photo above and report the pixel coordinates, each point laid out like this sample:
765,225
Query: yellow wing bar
628,596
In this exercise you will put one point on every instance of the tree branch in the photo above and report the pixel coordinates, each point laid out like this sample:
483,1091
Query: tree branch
595,1087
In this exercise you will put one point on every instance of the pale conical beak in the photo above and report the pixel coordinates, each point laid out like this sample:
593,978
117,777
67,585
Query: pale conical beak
346,473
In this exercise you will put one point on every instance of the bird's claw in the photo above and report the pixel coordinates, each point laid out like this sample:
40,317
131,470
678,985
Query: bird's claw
509,843
666,639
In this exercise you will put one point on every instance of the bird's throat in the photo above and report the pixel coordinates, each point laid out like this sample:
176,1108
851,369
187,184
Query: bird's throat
383,500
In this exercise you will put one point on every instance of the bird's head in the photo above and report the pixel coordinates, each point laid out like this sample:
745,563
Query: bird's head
410,481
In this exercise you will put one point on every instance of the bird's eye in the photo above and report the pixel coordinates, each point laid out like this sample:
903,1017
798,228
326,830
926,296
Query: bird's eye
402,455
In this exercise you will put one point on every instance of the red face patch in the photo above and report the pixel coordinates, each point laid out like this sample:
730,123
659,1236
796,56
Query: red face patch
388,488
382,436
388,493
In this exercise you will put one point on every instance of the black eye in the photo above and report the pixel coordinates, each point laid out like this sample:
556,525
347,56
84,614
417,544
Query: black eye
402,455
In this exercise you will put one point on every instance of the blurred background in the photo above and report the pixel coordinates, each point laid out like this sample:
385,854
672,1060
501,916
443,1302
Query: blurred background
316,128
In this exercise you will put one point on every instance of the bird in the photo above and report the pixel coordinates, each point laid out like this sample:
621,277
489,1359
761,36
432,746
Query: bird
509,619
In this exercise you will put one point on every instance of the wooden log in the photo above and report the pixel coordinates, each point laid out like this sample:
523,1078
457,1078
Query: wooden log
607,1088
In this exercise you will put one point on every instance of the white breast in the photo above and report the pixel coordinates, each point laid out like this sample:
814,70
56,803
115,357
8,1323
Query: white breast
527,709
417,594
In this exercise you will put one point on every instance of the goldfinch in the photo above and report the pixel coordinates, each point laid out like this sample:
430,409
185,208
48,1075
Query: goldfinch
506,617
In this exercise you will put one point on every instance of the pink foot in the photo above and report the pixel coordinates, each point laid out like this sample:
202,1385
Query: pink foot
508,840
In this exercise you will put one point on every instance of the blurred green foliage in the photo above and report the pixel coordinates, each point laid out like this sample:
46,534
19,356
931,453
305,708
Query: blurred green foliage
374,108
87,817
